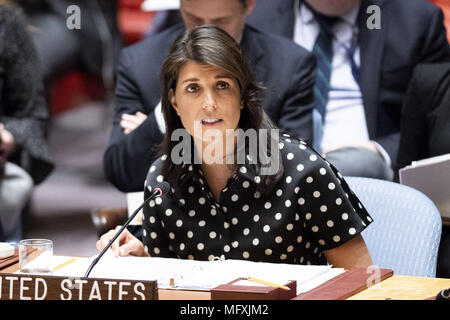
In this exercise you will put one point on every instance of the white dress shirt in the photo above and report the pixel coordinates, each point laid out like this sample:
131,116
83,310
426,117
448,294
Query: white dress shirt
345,121
160,118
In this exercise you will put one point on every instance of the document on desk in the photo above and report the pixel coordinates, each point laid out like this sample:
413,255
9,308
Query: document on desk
432,177
199,275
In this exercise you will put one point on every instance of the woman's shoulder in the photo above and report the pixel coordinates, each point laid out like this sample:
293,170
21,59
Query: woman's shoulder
155,172
301,160
292,148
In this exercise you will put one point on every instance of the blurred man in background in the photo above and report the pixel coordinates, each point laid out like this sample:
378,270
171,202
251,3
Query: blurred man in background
367,51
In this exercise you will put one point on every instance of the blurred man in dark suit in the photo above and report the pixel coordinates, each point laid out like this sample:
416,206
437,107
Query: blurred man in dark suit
367,51
425,132
62,45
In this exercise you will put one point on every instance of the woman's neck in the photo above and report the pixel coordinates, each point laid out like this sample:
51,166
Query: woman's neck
216,176
218,162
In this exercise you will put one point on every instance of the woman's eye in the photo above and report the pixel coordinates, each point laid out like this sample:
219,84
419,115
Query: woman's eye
192,88
222,85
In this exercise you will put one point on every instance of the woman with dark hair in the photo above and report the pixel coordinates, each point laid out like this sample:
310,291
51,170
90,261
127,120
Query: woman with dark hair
238,189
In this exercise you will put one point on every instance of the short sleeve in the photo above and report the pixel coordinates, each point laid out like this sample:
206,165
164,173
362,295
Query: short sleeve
331,212
155,236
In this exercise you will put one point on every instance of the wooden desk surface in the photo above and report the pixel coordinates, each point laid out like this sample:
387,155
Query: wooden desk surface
404,288
395,287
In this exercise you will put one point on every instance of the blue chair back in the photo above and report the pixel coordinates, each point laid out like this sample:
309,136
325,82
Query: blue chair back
406,228
317,130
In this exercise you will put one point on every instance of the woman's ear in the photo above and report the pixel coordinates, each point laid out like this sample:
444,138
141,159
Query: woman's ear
172,100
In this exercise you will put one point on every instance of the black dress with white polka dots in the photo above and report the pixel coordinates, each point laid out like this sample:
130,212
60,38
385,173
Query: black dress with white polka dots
311,209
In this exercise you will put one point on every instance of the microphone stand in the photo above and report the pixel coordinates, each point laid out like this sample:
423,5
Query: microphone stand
157,192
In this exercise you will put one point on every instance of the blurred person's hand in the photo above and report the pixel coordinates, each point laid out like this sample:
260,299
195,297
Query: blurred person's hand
368,145
125,244
2,156
130,122
7,144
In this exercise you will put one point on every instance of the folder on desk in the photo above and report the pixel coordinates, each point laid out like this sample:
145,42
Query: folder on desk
432,177
6,262
345,285
239,290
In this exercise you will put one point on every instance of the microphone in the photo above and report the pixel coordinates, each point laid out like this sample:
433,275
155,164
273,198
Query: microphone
443,295
157,192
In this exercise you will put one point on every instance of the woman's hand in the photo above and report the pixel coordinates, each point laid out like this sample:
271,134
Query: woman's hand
125,244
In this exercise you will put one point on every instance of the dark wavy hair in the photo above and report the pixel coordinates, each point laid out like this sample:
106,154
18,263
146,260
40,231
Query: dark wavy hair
210,45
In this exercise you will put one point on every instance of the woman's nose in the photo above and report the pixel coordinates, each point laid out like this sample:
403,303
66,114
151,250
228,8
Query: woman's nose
209,102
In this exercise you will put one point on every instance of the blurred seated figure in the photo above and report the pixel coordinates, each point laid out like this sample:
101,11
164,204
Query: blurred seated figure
163,20
367,51
425,127
425,130
24,157
93,48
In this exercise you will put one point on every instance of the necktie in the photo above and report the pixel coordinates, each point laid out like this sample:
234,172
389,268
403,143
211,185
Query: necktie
323,49
324,52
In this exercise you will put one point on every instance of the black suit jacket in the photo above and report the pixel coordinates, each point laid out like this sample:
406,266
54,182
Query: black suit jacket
412,32
99,30
286,69
425,130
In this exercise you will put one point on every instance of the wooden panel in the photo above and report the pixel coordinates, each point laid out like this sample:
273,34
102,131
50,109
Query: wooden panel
168,294
45,287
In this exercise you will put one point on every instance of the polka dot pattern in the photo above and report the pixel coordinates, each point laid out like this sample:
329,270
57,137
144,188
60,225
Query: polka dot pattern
309,210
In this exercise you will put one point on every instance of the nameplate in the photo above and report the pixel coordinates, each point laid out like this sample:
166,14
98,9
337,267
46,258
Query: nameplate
44,287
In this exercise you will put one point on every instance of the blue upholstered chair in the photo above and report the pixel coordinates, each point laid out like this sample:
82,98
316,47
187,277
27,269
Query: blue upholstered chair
317,130
406,230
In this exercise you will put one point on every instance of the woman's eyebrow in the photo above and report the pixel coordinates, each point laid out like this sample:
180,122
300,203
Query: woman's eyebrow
190,80
219,76
223,76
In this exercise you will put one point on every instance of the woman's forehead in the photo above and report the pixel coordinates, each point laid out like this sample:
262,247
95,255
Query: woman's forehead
192,69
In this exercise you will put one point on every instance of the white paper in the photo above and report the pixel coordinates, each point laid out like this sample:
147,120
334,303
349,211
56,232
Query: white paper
432,160
199,275
134,200
156,5
249,283
432,177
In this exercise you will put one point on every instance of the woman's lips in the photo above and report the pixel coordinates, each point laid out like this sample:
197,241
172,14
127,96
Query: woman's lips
211,122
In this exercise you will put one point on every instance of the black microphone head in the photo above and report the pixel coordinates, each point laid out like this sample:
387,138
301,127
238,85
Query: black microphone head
443,295
163,188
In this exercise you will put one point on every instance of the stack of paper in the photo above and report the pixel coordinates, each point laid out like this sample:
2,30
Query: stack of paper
199,275
432,177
